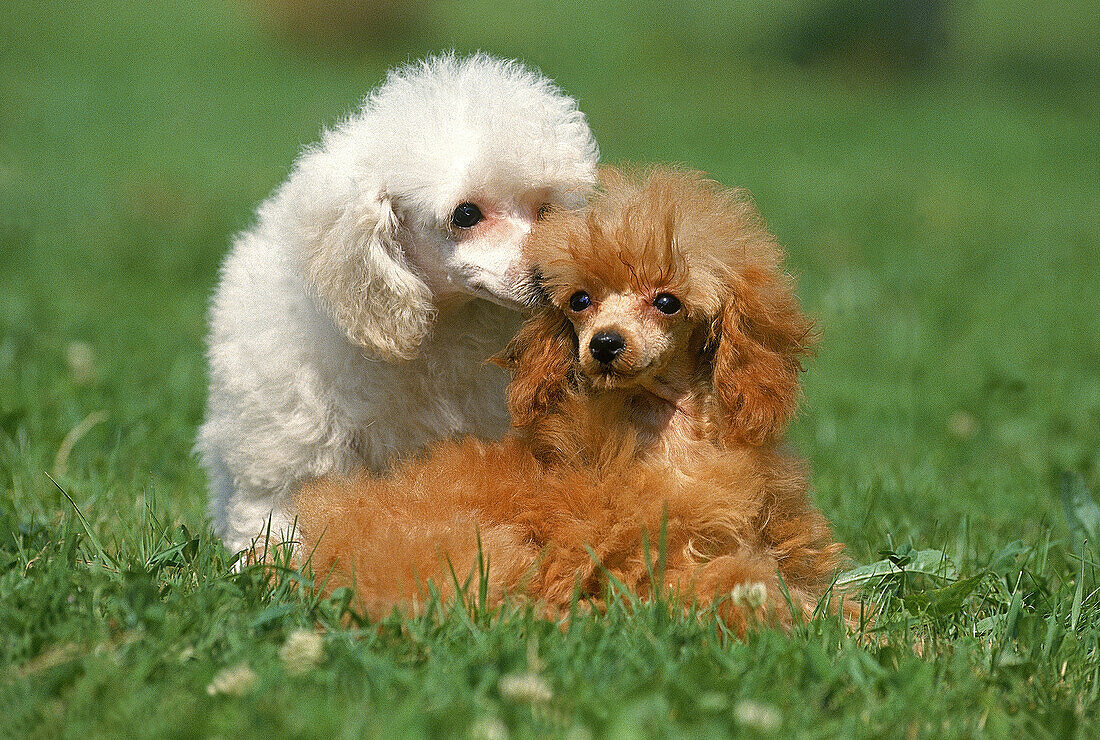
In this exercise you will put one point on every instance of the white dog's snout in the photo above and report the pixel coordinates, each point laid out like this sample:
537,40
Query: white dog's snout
494,267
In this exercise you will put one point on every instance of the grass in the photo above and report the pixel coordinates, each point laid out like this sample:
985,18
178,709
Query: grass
946,230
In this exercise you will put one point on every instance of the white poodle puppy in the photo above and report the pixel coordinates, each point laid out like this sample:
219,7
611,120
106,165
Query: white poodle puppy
352,321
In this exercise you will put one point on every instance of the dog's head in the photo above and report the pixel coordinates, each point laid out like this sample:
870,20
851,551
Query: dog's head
424,198
665,283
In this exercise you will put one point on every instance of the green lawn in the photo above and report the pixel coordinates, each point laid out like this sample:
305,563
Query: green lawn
946,230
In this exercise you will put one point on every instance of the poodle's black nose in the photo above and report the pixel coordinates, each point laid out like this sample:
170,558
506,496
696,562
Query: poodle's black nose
606,346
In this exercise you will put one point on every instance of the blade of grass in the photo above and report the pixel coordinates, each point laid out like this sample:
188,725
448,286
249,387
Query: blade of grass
88,531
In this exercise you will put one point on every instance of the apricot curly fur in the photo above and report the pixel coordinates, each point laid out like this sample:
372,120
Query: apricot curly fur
679,433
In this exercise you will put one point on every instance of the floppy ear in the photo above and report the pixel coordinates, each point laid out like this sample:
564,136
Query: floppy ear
542,358
357,267
762,336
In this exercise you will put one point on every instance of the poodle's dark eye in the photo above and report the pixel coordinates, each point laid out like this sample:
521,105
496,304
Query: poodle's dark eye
579,301
667,303
466,215
543,211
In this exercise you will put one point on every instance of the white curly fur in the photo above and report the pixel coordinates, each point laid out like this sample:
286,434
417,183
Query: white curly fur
352,321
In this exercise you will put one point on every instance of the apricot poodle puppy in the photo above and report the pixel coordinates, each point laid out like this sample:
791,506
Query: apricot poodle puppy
648,397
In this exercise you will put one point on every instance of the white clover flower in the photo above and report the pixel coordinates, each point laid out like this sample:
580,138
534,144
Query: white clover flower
80,357
759,716
302,650
526,687
962,425
750,595
489,728
235,681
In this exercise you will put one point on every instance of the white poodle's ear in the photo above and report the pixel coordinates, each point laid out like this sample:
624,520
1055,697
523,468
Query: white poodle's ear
357,266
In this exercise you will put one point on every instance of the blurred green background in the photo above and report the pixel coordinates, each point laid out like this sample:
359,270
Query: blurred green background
933,169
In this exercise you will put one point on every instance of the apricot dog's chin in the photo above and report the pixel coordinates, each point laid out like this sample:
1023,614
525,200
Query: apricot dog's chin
615,378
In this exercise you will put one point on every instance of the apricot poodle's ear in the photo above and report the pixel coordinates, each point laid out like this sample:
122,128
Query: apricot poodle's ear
356,265
762,336
542,358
